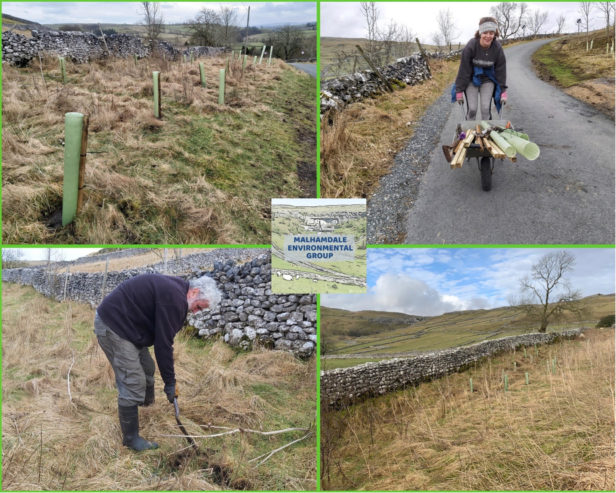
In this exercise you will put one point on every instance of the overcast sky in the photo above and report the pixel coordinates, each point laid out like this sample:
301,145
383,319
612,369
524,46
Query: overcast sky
343,19
57,253
261,13
434,281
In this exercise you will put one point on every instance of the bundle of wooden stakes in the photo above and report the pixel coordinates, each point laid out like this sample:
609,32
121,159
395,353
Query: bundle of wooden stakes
476,139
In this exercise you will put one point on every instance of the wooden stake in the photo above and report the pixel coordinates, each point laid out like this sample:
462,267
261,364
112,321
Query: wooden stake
82,161
375,70
470,136
496,151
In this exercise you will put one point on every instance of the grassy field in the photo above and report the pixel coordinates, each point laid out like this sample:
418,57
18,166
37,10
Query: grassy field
556,433
358,144
441,332
585,75
60,429
204,173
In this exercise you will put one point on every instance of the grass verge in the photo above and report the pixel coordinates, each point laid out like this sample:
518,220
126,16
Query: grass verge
204,173
358,147
556,433
587,75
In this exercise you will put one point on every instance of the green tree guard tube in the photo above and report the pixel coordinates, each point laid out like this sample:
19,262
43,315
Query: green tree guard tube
156,90
63,70
73,126
244,62
191,57
135,58
221,87
499,141
270,55
262,52
254,61
202,73
528,149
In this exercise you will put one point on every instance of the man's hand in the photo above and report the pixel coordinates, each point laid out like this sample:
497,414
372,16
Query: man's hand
460,97
171,391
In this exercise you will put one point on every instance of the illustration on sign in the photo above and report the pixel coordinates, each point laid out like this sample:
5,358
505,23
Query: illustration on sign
318,245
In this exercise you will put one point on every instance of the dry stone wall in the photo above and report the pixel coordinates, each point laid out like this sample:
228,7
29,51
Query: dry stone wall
82,47
337,93
346,385
249,313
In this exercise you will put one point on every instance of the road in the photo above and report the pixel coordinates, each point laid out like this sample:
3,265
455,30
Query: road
309,68
566,196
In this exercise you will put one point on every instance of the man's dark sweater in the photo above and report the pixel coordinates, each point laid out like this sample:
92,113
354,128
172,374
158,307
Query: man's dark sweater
474,55
148,310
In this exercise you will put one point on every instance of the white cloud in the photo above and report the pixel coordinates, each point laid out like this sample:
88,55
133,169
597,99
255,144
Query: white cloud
397,293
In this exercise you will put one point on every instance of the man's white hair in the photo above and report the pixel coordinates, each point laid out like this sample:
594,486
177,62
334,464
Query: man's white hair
207,290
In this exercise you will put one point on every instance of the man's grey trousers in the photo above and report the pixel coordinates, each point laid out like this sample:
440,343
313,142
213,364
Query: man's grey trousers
133,367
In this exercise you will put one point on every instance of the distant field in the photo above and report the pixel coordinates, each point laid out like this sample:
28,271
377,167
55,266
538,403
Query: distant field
445,331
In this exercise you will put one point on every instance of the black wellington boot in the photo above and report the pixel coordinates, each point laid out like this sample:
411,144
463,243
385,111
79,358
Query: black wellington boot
129,423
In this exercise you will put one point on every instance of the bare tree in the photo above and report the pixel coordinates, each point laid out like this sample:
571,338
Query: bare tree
510,17
446,27
547,291
436,39
536,20
607,8
389,38
11,258
228,16
205,28
560,23
370,13
153,22
585,10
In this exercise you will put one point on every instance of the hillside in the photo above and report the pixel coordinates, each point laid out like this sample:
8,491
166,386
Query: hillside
60,427
554,432
585,74
381,340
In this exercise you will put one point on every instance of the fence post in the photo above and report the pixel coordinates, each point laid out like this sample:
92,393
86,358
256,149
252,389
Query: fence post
63,70
104,279
202,73
68,273
221,87
82,162
73,131
157,95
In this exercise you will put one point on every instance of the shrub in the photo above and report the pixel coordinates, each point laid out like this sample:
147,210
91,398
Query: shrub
607,321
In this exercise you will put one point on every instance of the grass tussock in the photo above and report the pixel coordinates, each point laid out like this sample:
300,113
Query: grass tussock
358,144
56,441
587,75
204,173
557,433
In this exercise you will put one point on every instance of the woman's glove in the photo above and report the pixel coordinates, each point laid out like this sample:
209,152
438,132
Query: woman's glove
504,98
460,97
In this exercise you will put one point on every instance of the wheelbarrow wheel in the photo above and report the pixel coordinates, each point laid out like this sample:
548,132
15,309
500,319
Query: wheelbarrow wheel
486,174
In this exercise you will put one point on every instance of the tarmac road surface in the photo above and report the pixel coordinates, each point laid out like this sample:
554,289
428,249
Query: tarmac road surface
566,196
309,68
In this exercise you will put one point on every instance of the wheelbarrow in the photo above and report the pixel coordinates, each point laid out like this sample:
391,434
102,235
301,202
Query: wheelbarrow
486,141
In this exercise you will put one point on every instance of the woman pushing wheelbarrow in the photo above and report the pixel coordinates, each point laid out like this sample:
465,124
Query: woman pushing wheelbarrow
482,75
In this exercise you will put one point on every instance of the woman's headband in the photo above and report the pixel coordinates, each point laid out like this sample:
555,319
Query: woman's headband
487,26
